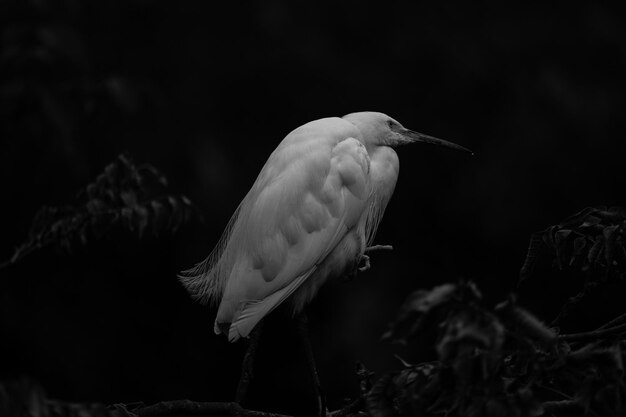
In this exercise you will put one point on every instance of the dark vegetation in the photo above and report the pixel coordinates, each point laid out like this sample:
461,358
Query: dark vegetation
93,320
133,197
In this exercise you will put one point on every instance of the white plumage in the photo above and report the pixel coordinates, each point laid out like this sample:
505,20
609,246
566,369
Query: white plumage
309,216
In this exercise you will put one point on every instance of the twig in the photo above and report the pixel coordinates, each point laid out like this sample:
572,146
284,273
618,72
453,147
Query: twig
616,320
351,408
247,365
167,408
21,252
562,405
565,406
365,386
596,334
573,302
554,391
536,247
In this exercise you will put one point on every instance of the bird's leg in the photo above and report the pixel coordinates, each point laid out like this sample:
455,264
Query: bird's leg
378,247
247,364
303,332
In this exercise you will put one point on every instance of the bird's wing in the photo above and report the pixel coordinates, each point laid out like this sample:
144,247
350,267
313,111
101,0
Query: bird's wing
293,218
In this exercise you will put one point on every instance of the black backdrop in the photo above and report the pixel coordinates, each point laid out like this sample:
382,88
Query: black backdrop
205,92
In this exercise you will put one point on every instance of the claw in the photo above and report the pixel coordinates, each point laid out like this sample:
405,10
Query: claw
366,260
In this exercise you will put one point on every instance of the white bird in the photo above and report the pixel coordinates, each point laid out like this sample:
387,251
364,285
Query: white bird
309,217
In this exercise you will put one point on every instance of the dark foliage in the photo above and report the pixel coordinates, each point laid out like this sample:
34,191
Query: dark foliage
504,361
125,195
590,242
500,361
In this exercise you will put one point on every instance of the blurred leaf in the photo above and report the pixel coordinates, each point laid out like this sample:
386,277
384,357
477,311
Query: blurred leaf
162,213
413,391
25,398
610,238
528,324
380,399
579,245
591,241
536,248
142,218
465,335
596,249
576,219
423,301
420,304
590,221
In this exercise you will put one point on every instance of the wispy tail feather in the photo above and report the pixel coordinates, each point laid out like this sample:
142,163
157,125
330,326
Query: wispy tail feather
206,280
200,283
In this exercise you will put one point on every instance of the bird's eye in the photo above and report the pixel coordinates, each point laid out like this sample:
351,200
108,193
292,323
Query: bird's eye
389,124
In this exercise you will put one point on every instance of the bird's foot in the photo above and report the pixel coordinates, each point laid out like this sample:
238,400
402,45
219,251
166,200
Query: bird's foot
364,263
378,247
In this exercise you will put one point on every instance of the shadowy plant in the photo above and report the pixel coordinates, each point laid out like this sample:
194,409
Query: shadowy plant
504,361
133,197
499,361
590,241
24,398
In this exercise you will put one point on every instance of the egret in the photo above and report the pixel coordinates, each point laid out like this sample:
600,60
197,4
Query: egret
309,217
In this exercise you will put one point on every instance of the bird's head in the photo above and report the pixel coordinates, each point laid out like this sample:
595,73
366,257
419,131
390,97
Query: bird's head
378,129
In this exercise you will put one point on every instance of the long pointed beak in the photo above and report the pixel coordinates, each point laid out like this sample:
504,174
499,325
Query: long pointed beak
412,137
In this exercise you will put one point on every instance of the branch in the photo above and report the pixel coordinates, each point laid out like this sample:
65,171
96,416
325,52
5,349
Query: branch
565,406
574,301
167,408
562,405
351,408
21,252
596,334
248,364
616,320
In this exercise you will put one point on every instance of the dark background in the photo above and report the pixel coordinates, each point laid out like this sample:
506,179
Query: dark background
205,92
